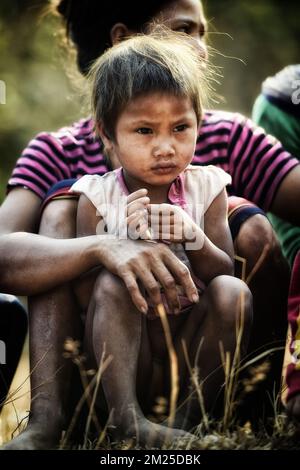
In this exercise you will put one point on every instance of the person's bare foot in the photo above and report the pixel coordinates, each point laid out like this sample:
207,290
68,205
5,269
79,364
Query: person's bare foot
151,434
181,422
293,408
33,438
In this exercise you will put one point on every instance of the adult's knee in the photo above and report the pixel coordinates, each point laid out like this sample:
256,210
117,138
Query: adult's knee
256,241
58,219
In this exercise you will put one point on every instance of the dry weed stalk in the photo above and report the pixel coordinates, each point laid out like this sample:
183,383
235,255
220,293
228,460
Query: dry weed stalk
173,364
231,369
103,365
195,380
72,352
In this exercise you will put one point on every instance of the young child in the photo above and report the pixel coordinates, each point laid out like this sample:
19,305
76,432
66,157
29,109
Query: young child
147,100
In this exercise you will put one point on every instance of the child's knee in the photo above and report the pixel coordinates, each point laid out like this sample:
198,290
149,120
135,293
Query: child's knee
108,285
230,301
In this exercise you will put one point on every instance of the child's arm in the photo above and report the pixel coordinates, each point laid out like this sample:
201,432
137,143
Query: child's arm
216,255
210,253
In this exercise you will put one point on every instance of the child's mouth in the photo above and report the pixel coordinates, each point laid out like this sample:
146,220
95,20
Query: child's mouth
164,168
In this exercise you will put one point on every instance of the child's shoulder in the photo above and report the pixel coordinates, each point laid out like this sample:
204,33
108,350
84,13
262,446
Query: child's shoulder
209,172
203,184
92,183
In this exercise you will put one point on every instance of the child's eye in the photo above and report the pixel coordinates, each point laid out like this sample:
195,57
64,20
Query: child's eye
144,130
180,128
183,29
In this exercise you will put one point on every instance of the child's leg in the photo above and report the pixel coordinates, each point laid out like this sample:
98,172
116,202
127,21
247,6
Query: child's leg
210,323
115,326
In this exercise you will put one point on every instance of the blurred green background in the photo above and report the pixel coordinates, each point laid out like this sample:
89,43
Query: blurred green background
255,38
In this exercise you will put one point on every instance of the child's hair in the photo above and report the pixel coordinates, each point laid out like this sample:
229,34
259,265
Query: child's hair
163,61
88,23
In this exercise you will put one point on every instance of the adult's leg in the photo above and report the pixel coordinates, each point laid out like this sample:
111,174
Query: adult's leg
114,325
13,328
269,286
53,317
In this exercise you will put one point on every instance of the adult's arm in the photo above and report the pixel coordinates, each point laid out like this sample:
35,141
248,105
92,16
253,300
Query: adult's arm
30,263
216,255
286,201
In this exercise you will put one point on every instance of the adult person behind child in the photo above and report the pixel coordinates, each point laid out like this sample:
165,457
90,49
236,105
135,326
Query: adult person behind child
277,109
261,172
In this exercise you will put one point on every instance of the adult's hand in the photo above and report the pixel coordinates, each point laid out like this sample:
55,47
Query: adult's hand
146,265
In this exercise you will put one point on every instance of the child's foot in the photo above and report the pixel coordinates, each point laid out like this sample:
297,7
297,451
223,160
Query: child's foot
151,434
293,407
32,438
180,422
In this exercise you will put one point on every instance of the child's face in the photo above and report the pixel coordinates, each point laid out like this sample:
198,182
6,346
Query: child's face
155,138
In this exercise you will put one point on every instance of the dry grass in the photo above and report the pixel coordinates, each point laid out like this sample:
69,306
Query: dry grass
212,435
221,435
14,415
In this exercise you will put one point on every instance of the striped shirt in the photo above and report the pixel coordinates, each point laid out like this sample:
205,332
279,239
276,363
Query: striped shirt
256,162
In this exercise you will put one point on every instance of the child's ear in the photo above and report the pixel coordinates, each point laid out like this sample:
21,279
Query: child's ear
119,32
108,144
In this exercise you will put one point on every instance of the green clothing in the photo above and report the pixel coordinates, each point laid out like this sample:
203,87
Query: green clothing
286,128
279,123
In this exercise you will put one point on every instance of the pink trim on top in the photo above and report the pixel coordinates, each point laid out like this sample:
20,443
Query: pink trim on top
176,193
121,180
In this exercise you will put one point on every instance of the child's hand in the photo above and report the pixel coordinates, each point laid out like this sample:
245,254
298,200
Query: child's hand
137,215
168,222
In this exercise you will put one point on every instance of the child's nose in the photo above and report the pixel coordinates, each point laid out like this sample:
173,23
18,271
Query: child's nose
164,148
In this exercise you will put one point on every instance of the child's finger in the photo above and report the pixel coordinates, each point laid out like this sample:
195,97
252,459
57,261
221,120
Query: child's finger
136,216
161,209
137,195
137,226
139,204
